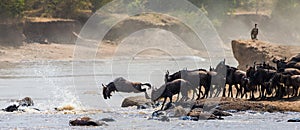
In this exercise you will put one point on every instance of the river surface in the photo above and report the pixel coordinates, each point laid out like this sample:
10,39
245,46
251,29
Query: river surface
78,83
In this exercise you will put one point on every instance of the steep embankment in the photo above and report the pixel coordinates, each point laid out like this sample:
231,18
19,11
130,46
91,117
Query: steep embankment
247,52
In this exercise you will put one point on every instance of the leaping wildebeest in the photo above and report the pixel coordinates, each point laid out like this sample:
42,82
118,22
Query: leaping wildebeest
122,85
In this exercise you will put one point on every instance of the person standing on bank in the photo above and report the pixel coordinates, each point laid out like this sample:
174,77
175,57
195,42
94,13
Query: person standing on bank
254,33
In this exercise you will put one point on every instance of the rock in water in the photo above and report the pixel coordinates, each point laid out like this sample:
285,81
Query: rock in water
27,101
108,119
294,120
11,108
86,121
137,101
221,113
165,118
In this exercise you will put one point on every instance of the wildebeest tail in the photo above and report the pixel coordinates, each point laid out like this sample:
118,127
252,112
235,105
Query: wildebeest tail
147,84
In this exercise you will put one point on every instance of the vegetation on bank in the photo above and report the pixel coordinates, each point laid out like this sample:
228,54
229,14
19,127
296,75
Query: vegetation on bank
77,9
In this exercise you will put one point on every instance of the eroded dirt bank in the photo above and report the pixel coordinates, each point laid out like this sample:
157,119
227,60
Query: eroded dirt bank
246,52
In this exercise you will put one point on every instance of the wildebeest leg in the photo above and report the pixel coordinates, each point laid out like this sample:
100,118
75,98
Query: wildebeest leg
199,93
219,90
263,88
146,95
230,91
224,91
297,88
252,94
194,92
170,99
237,90
163,103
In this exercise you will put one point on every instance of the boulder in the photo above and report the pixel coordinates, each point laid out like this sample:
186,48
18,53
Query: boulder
11,108
108,119
27,101
86,121
139,101
246,52
294,120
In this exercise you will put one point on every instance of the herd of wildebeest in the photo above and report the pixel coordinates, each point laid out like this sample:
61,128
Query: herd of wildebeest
260,81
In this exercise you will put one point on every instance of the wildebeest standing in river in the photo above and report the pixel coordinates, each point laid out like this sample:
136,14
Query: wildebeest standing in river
122,85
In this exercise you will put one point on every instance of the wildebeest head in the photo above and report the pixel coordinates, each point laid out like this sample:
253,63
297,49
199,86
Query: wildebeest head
221,66
250,71
107,89
176,75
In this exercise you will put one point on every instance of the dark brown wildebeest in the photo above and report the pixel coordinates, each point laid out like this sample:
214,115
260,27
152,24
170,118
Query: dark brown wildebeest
291,71
260,78
122,85
169,89
197,78
229,73
239,82
293,81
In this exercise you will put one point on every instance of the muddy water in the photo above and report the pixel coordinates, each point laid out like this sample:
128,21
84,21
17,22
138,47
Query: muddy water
57,83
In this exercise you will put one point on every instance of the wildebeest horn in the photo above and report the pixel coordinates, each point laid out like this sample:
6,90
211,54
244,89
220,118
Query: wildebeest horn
103,85
167,72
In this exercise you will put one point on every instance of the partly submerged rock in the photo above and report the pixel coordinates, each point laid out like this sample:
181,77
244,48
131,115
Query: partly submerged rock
137,101
63,108
11,108
189,118
217,112
27,101
86,121
177,111
294,120
165,118
108,119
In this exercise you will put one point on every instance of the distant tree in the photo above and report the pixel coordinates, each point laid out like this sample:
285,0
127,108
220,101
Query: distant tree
96,4
11,8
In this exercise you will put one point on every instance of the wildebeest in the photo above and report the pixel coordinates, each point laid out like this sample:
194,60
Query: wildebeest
259,77
294,81
169,89
232,77
197,78
293,62
122,85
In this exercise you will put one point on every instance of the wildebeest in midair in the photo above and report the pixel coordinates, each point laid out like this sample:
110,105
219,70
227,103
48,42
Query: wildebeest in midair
122,85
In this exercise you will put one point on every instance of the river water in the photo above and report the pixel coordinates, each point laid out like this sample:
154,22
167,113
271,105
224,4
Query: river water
59,83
